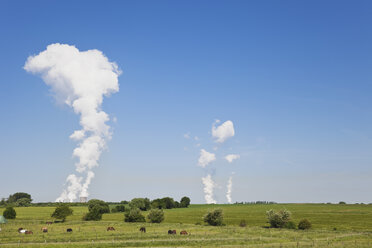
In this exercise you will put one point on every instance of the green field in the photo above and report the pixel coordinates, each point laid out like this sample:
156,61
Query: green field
333,226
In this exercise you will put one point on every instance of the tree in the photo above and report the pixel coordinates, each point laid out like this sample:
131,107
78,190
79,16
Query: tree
61,212
141,203
185,202
9,213
214,217
23,202
158,203
94,213
118,208
99,205
16,196
168,202
278,219
304,224
156,215
134,215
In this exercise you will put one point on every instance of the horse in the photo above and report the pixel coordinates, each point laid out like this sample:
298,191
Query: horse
29,232
183,232
49,222
110,228
172,232
143,229
20,229
44,229
69,230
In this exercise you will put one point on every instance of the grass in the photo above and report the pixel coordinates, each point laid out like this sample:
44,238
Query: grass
353,225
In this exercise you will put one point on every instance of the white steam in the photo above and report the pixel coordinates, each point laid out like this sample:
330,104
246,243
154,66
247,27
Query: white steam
231,157
80,79
229,190
223,131
205,158
209,186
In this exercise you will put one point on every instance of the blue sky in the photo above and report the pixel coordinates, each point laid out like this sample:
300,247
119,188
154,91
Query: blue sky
293,76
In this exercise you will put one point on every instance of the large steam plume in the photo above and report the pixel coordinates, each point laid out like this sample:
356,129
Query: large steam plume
80,79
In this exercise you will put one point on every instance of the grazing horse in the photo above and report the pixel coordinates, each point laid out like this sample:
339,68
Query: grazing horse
44,229
183,232
172,232
143,229
49,222
29,232
20,229
110,228
69,230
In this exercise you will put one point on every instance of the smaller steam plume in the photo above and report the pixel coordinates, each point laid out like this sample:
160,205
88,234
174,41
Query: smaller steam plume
229,190
209,186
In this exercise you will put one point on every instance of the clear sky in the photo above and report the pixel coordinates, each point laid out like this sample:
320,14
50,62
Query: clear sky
294,77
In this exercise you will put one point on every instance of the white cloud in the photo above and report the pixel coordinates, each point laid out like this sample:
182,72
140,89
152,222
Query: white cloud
231,157
209,186
229,190
196,138
186,135
206,158
223,131
80,79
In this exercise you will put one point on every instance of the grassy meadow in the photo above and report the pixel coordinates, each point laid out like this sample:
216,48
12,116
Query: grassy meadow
333,226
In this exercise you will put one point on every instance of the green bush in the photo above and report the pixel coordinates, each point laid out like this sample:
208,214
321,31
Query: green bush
185,202
304,224
214,217
290,225
9,213
134,215
93,214
156,216
278,219
61,212
118,208
141,203
23,202
100,205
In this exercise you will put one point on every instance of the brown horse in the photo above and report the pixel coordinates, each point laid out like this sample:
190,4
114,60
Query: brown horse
172,232
29,232
183,232
143,229
44,229
110,228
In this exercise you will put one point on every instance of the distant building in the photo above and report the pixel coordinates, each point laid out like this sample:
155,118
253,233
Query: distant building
83,199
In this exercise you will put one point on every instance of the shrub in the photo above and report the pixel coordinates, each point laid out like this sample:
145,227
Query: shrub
342,202
19,195
214,217
278,219
134,215
243,223
93,214
141,203
185,202
290,225
118,208
61,212
156,216
100,206
9,213
23,202
304,224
